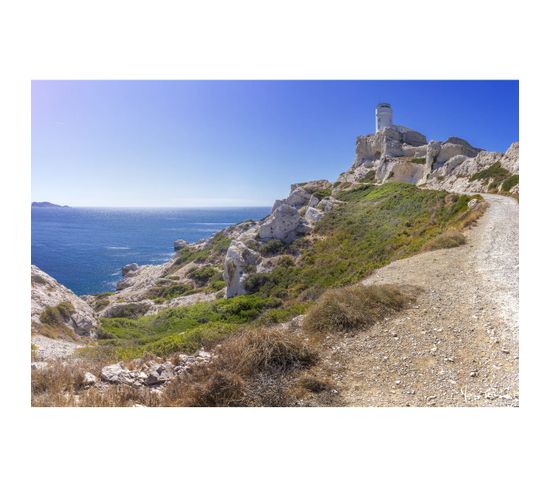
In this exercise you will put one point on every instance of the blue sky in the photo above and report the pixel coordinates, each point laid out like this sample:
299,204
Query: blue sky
235,143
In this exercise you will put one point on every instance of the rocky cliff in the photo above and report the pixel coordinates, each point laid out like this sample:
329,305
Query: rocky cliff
58,312
400,154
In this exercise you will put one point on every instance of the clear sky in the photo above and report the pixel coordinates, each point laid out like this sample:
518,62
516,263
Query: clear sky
235,143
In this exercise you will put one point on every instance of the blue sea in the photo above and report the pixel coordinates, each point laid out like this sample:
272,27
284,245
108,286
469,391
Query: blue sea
84,248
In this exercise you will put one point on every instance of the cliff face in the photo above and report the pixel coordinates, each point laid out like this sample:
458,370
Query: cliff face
453,165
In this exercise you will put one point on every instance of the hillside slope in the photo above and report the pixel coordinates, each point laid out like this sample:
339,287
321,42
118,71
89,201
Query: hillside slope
459,344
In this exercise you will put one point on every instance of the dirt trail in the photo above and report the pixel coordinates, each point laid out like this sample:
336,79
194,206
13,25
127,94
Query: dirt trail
458,345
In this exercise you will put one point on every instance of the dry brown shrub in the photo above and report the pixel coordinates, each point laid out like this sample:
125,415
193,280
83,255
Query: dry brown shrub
253,368
265,350
471,216
355,307
449,238
215,389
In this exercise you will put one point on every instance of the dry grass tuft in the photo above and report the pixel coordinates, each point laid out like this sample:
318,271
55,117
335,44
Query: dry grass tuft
355,307
265,350
252,368
215,389
449,238
472,216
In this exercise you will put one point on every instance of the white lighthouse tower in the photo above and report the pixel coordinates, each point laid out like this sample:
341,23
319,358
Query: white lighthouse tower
383,116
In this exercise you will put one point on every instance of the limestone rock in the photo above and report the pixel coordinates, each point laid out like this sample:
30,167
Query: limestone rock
401,170
39,365
180,244
313,201
239,259
313,215
455,146
389,142
47,292
326,205
89,379
298,198
129,269
284,224
510,160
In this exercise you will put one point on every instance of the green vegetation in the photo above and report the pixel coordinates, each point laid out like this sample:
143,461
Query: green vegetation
100,304
129,310
369,177
509,183
182,329
377,225
418,160
213,252
205,274
104,294
355,307
164,293
322,193
496,173
57,315
54,321
271,247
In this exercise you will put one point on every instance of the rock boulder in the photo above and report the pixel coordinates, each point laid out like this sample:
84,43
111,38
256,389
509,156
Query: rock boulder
64,307
284,224
239,261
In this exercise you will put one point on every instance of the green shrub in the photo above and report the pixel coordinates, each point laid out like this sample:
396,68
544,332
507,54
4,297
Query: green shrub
128,310
58,315
181,328
216,285
202,275
418,160
369,177
495,171
509,183
254,281
104,294
322,193
271,247
100,304
163,293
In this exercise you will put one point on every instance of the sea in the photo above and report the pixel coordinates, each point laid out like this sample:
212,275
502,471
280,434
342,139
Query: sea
84,248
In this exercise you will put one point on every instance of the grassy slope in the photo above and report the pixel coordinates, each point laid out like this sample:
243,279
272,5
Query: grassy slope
375,225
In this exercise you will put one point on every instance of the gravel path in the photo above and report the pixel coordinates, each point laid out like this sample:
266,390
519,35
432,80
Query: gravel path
49,349
458,345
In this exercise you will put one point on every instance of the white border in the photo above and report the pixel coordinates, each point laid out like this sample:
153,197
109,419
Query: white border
277,40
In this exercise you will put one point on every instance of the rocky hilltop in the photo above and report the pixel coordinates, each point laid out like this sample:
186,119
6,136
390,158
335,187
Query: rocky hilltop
239,259
400,154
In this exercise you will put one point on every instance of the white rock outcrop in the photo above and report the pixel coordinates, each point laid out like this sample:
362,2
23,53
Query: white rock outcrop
284,224
239,261
313,215
48,292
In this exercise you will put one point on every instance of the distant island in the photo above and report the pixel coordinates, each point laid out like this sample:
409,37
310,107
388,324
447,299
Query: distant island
48,204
